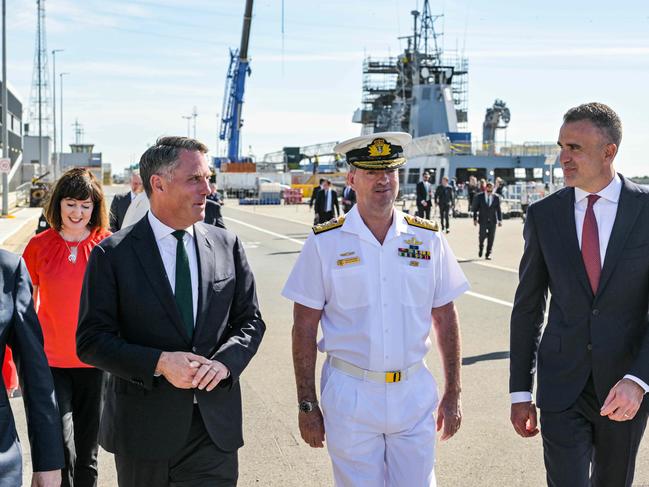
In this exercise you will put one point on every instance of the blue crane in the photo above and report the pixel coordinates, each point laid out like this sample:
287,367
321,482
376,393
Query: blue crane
235,84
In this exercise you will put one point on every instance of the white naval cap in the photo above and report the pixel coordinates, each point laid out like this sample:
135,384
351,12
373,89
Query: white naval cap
381,150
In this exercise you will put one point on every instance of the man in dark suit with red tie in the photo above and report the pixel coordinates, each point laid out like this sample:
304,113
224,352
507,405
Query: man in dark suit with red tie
588,246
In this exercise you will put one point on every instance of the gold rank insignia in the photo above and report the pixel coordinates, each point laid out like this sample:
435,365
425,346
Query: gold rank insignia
347,254
413,241
416,221
330,225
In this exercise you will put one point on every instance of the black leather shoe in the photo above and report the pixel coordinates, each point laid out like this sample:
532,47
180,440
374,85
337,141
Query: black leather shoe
480,253
487,257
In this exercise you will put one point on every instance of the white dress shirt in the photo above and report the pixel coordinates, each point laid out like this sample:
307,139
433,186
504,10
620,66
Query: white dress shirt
167,247
605,209
328,200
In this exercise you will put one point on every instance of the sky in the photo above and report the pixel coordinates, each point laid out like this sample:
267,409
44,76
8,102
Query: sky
137,67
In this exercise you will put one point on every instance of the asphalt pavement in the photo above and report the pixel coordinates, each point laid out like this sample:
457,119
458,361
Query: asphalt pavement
485,452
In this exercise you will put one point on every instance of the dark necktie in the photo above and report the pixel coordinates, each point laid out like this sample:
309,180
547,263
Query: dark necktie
590,245
183,291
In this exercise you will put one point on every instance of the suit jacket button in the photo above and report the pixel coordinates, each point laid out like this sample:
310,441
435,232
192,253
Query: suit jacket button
589,347
595,312
194,349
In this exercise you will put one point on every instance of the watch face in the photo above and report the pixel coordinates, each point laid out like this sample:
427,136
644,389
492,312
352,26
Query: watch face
306,406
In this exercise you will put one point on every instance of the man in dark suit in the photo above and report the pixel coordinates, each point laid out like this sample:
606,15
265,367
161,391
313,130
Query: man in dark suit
19,328
444,200
121,202
169,308
314,195
213,213
424,197
326,202
588,245
486,213
349,198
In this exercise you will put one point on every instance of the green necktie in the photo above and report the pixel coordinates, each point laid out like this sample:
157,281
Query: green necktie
183,292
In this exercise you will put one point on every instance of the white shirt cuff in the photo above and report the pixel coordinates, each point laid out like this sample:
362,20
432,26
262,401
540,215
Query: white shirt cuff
523,396
641,383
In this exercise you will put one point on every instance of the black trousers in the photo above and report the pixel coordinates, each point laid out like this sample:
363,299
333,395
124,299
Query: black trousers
443,215
325,216
199,463
424,211
583,449
79,392
487,231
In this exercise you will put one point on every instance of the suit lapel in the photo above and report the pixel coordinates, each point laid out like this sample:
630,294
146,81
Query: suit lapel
568,231
628,209
205,252
146,249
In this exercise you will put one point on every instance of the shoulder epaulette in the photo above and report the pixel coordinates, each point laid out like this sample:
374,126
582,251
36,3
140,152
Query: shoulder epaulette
416,221
330,225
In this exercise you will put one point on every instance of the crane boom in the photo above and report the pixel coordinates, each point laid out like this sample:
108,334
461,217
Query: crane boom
235,85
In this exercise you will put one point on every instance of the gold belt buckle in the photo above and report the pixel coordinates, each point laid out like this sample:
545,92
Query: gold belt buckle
394,376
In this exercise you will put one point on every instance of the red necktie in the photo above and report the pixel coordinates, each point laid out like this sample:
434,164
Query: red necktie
590,245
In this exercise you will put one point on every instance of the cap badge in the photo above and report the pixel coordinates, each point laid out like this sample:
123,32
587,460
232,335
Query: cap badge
379,147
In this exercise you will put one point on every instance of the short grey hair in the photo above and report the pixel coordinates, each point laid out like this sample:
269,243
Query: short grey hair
601,116
162,157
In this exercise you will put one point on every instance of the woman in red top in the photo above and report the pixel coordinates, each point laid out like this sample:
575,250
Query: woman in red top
56,260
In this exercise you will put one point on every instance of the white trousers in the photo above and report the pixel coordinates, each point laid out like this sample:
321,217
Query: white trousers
380,435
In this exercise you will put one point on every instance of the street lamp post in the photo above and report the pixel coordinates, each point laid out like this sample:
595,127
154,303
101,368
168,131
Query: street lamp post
188,118
61,83
5,131
56,156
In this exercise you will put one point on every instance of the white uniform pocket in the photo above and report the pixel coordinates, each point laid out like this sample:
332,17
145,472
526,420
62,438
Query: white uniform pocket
416,286
350,287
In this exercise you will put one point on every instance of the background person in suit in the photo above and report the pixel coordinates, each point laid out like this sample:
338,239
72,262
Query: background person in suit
444,199
19,328
314,195
213,214
349,198
588,245
486,212
169,308
424,197
326,202
121,202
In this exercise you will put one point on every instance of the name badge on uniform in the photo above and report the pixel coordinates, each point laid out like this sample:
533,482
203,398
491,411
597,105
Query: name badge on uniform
413,252
348,259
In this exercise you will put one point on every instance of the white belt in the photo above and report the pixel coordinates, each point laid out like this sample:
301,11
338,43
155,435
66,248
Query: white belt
374,376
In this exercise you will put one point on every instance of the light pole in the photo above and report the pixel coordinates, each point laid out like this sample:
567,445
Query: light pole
56,156
61,82
5,132
188,118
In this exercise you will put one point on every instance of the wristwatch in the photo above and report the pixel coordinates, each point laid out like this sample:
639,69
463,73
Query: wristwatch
307,406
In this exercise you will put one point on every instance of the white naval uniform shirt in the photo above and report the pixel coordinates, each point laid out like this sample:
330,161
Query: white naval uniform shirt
376,304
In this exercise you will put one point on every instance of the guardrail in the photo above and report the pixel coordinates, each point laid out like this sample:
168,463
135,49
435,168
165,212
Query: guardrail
22,194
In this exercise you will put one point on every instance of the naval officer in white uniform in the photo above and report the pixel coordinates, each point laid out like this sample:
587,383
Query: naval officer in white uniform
378,280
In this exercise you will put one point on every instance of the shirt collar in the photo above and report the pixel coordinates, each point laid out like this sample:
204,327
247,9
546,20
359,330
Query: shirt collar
355,224
610,192
160,230
133,195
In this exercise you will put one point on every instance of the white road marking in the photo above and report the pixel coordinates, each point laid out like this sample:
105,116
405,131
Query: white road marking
489,298
300,242
263,230
486,264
